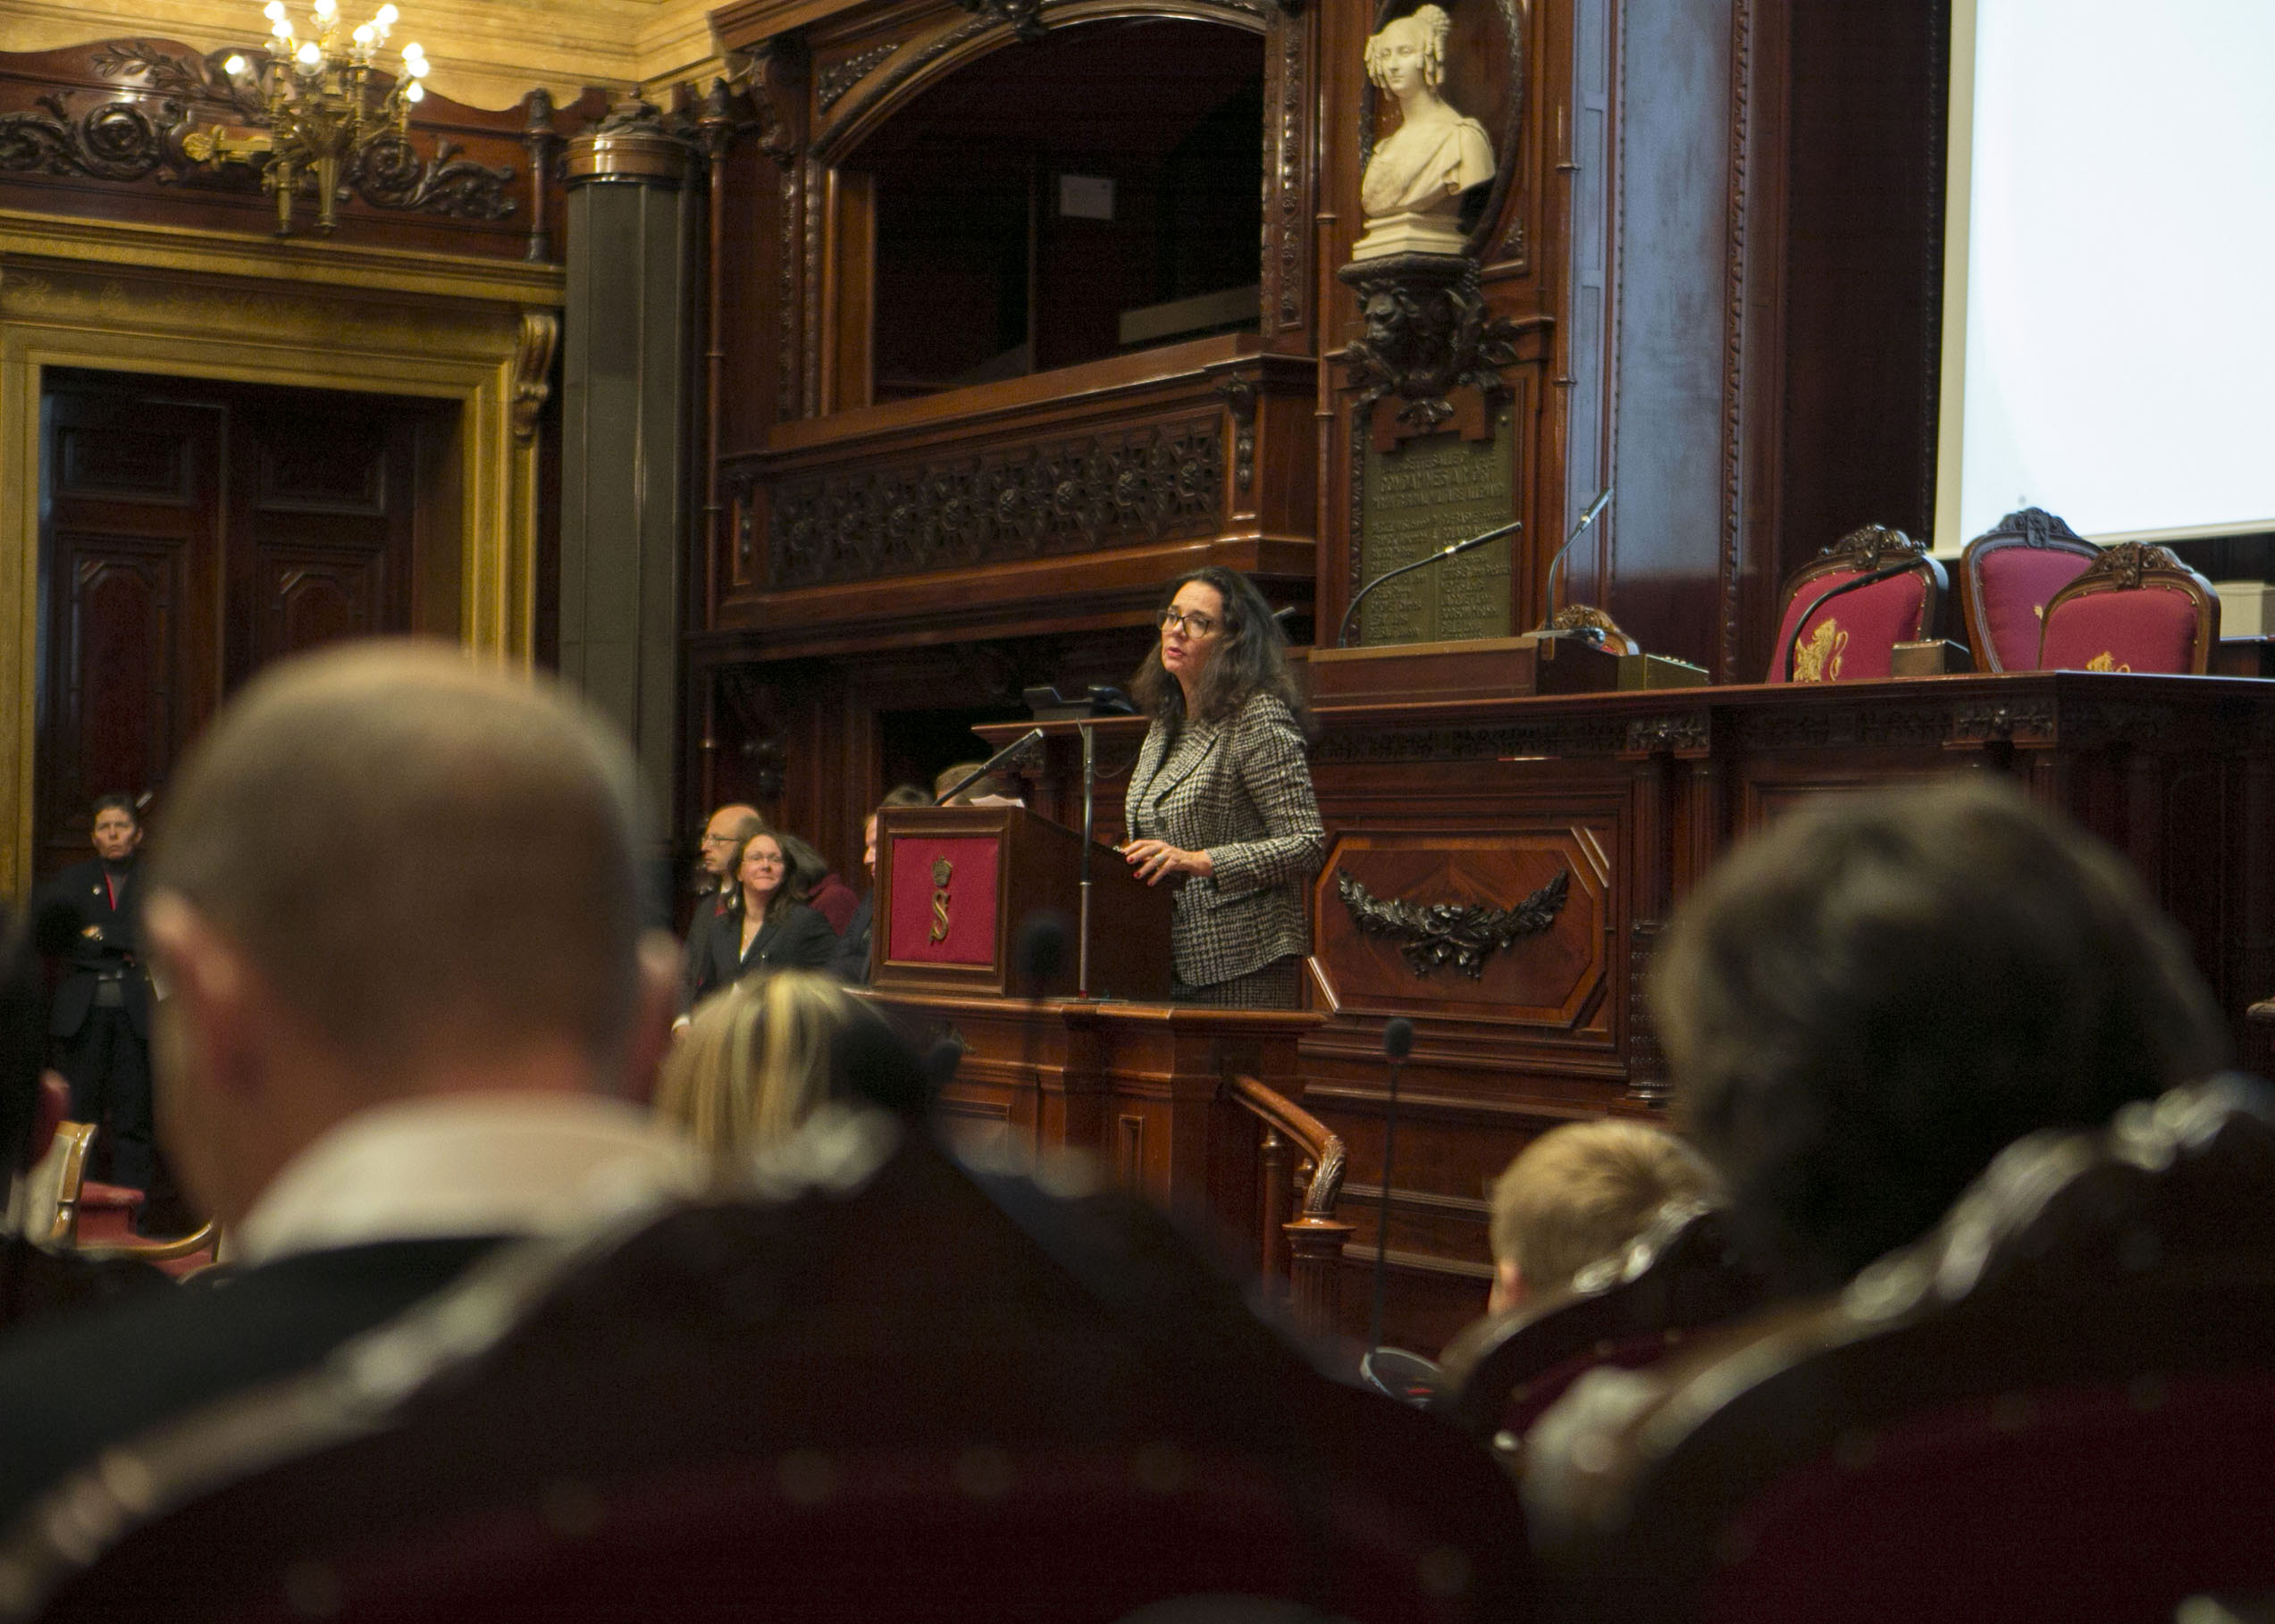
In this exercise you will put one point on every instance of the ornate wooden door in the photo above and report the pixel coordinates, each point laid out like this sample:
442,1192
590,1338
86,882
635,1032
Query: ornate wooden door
193,531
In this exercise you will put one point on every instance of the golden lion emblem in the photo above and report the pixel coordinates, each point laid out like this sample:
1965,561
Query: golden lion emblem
2105,661
1818,659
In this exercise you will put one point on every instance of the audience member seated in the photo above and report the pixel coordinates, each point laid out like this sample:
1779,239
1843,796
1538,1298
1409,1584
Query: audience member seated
392,1036
1868,1003
716,895
1606,1251
880,1385
815,883
770,929
1579,1194
853,942
2058,1407
755,1062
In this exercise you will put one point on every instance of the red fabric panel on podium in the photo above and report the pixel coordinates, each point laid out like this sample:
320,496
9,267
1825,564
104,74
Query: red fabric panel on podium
972,899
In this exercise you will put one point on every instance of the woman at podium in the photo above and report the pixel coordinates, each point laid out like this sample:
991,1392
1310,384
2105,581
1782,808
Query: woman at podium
1220,802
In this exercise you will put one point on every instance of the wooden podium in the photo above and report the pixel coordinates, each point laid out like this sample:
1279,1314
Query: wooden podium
956,884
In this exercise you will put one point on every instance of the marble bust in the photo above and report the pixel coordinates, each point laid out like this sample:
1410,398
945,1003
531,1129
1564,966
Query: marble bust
1411,189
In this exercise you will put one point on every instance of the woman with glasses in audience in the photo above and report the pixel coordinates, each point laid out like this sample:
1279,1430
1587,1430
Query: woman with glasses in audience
772,930
1220,802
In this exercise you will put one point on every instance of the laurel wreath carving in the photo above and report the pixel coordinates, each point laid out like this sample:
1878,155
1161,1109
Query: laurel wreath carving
1432,935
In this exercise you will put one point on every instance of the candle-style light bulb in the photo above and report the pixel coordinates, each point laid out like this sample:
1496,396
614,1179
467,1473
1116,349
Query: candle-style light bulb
416,92
233,65
273,11
308,56
283,29
365,34
386,16
327,9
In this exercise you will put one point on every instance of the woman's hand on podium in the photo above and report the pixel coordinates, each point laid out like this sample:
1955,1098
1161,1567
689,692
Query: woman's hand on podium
1155,860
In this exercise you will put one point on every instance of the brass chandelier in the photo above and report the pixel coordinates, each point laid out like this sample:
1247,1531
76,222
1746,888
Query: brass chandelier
325,111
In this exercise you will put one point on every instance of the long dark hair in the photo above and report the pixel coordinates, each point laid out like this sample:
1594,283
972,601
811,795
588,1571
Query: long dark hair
1251,657
786,893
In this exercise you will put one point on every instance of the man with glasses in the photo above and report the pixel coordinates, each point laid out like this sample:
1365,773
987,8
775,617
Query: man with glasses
716,895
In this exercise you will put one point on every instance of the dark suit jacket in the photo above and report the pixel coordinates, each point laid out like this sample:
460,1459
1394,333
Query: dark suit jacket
710,949
107,938
796,939
851,966
75,1383
1244,795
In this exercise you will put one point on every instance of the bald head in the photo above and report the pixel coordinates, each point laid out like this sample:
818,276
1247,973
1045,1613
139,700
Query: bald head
419,855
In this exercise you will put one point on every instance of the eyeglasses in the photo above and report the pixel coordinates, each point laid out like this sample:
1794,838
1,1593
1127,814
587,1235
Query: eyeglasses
718,840
1197,625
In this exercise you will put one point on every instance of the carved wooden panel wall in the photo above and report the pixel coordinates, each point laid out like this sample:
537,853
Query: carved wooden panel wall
97,131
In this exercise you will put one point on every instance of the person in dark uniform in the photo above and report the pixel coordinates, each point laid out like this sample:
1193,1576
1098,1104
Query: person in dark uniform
99,1021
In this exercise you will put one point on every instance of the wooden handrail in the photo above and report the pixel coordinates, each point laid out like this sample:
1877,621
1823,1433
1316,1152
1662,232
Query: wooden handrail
1307,1247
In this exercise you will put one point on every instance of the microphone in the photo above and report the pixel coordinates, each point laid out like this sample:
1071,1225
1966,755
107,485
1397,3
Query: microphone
1030,736
1343,632
1886,572
1595,511
1397,1043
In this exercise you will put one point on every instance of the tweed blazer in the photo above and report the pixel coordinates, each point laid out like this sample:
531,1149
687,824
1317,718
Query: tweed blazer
1240,791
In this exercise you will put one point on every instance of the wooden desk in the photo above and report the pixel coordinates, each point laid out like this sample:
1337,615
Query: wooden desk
1483,801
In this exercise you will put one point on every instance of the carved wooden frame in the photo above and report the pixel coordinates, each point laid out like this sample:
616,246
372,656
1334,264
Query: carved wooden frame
208,305
2130,566
1865,549
2030,527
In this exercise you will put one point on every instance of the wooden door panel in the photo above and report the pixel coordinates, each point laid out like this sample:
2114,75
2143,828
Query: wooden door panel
130,568
309,599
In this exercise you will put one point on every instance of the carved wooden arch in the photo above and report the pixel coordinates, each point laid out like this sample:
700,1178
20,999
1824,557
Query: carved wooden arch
918,66
1503,65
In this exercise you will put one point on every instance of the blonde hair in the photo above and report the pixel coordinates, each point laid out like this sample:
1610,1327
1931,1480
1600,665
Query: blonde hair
1585,1190
1435,26
755,1061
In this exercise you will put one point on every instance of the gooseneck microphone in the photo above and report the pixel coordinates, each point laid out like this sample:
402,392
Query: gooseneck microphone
1030,736
1595,511
1397,1043
1343,632
1886,572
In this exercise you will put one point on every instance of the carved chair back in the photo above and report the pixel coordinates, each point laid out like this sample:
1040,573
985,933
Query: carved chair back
1854,635
2008,575
2059,1405
888,1386
1679,1275
2137,609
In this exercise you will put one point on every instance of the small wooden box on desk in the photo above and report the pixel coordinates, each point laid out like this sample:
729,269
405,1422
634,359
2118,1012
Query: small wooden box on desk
956,884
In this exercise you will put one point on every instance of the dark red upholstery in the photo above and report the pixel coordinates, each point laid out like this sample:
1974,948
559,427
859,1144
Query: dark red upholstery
1679,1275
2137,609
2153,629
931,1396
1854,635
2011,571
2060,1406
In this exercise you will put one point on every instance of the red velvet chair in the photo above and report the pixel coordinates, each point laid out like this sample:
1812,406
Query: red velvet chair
1854,635
1680,1275
2138,608
2009,574
2058,1407
929,1394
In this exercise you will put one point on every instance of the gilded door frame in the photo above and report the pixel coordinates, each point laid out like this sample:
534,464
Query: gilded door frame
304,314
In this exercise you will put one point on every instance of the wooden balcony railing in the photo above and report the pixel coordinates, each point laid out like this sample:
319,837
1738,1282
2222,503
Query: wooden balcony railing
1301,1239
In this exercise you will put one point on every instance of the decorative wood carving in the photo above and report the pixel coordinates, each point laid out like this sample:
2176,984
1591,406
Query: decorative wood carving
1432,935
834,81
541,331
1428,333
1240,400
1024,18
1074,495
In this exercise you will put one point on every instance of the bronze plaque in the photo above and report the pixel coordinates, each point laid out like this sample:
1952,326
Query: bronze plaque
1431,492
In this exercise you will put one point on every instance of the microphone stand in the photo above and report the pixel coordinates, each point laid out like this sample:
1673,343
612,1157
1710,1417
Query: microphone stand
1886,572
1089,813
1032,735
1343,632
1595,511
